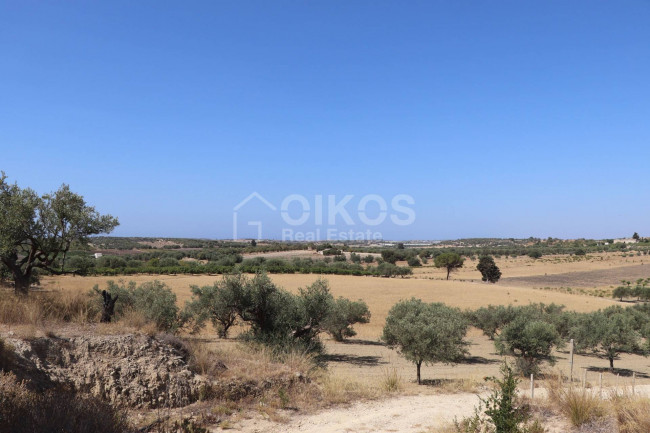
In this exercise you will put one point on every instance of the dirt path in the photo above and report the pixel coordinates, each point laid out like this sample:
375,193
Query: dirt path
409,414
400,414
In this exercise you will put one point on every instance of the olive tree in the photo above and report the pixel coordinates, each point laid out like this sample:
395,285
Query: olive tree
530,341
607,334
281,319
492,319
36,232
449,261
343,315
215,303
426,333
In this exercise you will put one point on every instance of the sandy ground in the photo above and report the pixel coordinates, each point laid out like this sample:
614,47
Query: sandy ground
584,279
410,414
419,413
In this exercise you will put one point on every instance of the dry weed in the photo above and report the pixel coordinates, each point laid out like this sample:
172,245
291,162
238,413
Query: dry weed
631,413
580,406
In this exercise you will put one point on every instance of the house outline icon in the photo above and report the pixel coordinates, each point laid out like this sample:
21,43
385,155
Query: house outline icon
243,203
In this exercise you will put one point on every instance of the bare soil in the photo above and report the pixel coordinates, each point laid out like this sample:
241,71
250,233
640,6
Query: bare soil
585,279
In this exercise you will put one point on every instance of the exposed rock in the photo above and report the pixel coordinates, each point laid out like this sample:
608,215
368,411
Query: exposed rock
129,370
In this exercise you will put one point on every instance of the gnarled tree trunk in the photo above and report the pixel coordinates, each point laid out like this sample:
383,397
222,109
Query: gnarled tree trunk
109,307
21,282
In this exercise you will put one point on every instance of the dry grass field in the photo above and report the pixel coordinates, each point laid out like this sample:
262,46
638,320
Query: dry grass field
364,357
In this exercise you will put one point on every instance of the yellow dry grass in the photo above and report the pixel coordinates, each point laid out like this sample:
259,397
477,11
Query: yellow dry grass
379,293
524,266
364,359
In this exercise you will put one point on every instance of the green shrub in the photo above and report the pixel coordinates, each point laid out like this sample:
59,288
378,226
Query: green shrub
343,314
386,269
502,406
153,299
535,254
214,303
414,262
530,341
280,319
492,319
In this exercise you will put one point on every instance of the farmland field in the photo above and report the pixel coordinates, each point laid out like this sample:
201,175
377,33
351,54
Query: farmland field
365,357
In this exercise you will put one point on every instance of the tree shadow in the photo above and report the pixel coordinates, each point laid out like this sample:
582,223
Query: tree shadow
624,372
362,342
361,361
438,383
477,360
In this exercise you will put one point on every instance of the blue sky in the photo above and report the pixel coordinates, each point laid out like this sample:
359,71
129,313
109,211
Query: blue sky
500,119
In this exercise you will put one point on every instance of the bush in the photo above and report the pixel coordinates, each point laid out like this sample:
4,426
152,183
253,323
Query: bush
531,341
214,303
389,256
280,319
492,319
343,315
154,300
389,270
535,254
414,262
502,406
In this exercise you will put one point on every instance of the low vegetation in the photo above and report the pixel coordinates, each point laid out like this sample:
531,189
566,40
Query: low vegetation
274,316
503,411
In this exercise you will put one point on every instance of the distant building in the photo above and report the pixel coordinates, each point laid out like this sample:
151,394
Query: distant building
625,241
98,255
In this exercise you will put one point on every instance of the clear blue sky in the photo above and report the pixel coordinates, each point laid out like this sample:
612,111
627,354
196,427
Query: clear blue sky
505,119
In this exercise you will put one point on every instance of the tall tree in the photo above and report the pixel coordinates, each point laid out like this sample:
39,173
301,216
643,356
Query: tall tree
38,231
426,333
449,261
490,272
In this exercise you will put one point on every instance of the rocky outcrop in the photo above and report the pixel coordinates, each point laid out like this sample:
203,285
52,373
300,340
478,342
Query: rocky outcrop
128,370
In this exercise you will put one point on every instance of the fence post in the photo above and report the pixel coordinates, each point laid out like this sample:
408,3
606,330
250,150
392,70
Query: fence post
600,383
532,386
571,362
633,381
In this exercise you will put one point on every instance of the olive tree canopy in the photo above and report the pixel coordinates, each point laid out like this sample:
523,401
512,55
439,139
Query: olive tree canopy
37,231
426,333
